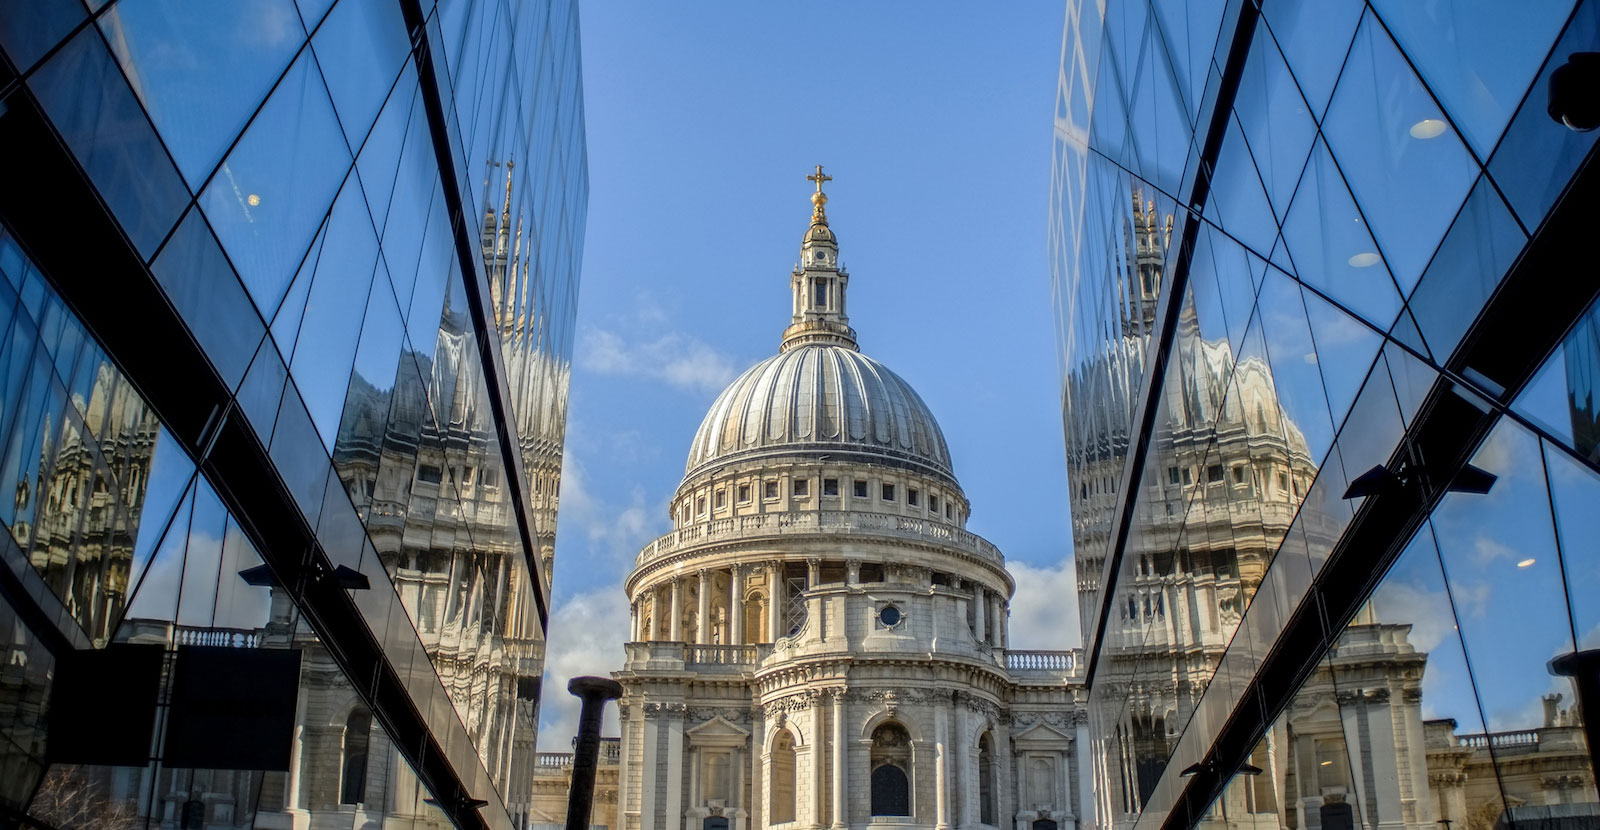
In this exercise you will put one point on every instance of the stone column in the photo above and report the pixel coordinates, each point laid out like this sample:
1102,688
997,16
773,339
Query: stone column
702,624
675,623
840,797
978,610
633,621
736,606
775,601
817,786
941,770
1002,609
852,571
814,604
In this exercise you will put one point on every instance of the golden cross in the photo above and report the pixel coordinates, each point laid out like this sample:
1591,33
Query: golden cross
819,178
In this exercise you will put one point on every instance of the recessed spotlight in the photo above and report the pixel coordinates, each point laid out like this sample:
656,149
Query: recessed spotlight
253,199
1428,128
1327,763
1525,563
1365,259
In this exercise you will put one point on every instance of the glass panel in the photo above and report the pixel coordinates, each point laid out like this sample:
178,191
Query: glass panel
1314,37
1574,492
1469,265
1500,556
1405,165
326,345
1537,156
272,192
1477,56
1190,30
195,275
29,28
89,102
1331,247
1161,131
1345,348
360,48
1276,122
1293,357
201,71
1238,204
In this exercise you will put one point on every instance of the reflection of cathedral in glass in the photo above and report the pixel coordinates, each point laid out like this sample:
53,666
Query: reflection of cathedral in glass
1330,448
288,395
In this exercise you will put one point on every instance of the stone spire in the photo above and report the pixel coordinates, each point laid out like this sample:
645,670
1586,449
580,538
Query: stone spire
819,283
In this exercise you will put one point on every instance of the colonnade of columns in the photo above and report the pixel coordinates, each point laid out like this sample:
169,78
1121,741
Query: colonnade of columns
727,612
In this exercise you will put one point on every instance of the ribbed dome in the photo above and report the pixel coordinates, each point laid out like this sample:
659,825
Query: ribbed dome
827,398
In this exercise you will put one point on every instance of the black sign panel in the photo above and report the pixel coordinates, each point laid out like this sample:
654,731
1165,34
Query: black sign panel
232,708
103,705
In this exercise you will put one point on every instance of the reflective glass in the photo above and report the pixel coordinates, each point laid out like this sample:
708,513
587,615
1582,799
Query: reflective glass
1537,156
1237,202
196,277
380,154
1404,162
1331,247
28,28
1574,492
1477,56
1298,382
88,100
1345,349
1190,30
201,70
270,195
1276,121
262,389
1482,243
360,47
326,345
1500,557
1160,127
1314,37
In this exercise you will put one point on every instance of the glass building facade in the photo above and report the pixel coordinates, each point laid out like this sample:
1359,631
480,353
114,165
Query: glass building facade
1330,347
287,291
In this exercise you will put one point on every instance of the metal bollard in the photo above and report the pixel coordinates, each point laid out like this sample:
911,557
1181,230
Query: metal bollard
594,692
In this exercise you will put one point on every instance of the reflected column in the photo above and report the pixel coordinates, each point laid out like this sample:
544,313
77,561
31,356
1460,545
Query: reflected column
702,622
775,600
736,605
675,624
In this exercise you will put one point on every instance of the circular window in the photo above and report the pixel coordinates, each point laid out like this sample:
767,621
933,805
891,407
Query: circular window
889,616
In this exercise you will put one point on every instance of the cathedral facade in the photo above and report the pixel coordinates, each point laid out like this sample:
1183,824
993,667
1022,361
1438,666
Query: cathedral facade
819,642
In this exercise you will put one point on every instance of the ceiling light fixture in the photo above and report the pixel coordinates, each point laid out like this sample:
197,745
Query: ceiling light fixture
1365,259
1526,562
1428,128
253,200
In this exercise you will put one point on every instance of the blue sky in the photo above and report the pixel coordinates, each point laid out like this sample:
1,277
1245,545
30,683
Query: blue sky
703,121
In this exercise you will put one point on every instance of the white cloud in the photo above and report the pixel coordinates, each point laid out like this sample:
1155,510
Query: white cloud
612,531
1044,611
586,636
677,359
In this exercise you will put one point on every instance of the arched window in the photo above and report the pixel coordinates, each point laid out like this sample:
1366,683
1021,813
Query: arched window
357,730
891,758
986,808
782,779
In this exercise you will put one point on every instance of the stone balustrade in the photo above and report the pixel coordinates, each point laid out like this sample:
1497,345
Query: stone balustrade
185,635
1050,661
844,522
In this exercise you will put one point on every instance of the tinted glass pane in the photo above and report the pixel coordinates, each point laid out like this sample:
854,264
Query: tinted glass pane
201,70
1331,247
273,190
360,48
1478,57
1314,38
1390,139
1470,263
197,279
89,102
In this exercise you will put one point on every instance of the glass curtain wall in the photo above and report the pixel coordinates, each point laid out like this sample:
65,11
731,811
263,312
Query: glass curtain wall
277,169
1255,298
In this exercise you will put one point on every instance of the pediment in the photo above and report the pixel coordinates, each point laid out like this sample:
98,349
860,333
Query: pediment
1041,733
718,731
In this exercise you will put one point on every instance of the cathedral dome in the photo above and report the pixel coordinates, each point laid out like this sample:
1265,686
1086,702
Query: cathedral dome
828,399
